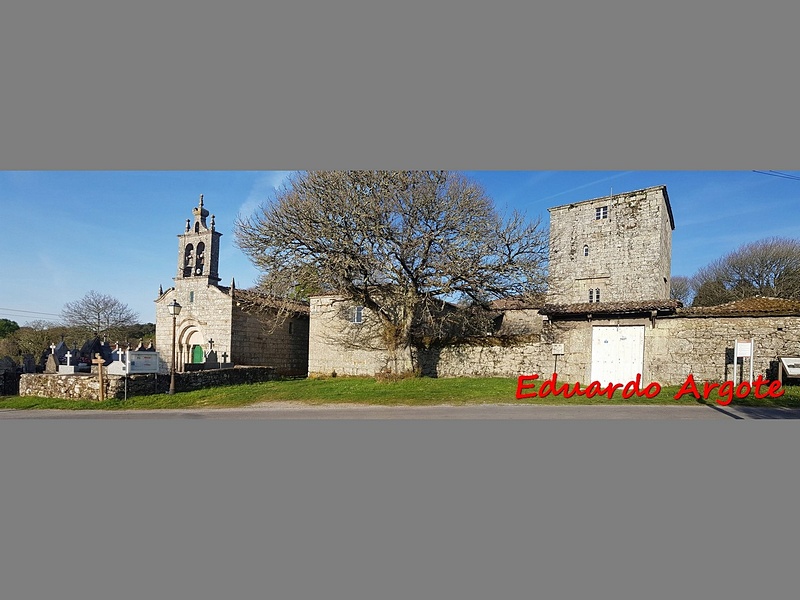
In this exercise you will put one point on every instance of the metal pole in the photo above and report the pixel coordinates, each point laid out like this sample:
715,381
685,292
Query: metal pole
172,366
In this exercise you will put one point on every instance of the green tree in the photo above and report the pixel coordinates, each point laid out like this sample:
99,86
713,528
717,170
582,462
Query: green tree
7,327
768,267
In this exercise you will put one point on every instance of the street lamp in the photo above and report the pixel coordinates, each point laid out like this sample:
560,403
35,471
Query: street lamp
174,310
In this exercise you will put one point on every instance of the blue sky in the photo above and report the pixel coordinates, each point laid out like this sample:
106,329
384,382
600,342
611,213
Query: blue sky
63,233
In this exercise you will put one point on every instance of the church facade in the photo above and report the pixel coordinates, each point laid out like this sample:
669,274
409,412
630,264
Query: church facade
221,326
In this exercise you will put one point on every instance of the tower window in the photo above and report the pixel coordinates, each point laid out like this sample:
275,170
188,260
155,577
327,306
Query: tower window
597,294
601,212
586,250
591,295
357,314
191,297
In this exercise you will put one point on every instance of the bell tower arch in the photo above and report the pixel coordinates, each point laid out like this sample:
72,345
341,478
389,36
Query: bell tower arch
198,249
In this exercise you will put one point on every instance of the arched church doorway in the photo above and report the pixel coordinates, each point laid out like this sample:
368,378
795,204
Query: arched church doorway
197,354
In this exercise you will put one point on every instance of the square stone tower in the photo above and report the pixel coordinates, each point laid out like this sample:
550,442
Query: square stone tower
612,249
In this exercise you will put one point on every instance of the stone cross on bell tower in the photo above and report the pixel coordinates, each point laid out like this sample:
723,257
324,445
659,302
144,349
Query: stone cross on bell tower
198,248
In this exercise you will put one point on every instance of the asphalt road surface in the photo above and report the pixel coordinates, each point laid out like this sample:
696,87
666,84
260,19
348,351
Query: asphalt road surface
494,411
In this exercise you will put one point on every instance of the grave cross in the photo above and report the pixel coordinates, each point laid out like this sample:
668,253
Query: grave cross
52,348
224,357
211,343
68,355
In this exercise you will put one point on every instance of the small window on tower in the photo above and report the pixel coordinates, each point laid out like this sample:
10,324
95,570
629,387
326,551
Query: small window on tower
586,250
601,212
597,294
191,297
591,295
356,314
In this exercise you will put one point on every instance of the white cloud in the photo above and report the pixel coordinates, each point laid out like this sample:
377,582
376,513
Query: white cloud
262,188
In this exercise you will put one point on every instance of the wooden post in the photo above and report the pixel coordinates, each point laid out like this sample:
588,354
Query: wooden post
99,361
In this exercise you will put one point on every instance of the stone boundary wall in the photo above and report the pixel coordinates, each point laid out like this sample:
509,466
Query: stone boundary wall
87,387
674,347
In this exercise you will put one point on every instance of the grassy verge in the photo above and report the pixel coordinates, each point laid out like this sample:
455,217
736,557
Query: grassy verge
358,390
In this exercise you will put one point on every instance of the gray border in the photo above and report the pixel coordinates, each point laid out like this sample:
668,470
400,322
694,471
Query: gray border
378,509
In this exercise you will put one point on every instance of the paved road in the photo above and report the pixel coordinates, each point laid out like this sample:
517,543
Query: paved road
504,412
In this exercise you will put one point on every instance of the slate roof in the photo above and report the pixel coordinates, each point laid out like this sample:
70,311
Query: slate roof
758,306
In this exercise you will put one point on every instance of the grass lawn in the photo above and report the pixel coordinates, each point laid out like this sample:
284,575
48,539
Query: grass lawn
364,390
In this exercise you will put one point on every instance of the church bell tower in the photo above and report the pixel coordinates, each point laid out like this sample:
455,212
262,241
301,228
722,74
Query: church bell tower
198,249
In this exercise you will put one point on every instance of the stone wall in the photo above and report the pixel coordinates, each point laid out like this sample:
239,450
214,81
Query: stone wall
282,345
629,251
674,347
87,387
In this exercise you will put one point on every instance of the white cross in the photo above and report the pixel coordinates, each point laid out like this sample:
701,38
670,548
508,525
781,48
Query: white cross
53,348
68,355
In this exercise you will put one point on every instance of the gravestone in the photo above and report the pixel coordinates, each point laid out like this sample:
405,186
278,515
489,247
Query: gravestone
7,365
28,364
51,366
69,368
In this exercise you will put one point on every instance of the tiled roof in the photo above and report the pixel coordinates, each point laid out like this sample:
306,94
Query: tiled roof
611,308
516,303
747,307
249,299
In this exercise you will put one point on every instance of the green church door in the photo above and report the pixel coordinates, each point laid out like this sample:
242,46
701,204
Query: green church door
197,354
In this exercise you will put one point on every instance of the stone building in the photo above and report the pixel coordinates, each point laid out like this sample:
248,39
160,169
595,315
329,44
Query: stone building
607,314
611,249
219,325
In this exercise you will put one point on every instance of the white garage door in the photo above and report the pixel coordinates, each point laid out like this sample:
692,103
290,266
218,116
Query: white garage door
617,353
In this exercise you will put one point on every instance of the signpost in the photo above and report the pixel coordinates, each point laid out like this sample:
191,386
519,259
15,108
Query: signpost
100,361
742,349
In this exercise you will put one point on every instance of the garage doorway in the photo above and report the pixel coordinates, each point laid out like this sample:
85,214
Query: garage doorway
617,353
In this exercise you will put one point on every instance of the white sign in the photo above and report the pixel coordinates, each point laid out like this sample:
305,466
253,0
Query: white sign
792,366
743,349
558,349
142,362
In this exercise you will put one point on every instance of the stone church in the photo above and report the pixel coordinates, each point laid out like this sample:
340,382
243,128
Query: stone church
221,326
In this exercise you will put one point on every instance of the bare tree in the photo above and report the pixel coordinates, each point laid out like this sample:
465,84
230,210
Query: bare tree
98,314
768,267
680,289
410,246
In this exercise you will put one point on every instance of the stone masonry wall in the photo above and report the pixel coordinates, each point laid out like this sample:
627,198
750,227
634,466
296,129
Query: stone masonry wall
628,251
283,346
87,387
675,347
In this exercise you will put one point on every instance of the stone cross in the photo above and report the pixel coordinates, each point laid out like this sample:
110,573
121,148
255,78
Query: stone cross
224,357
53,348
99,361
68,355
211,343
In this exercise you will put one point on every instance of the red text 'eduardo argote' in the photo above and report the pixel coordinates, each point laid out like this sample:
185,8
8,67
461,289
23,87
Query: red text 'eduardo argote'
726,391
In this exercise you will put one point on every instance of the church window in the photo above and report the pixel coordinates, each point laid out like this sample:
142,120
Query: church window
591,295
601,212
357,314
597,294
586,250
191,297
